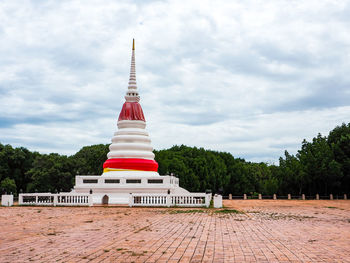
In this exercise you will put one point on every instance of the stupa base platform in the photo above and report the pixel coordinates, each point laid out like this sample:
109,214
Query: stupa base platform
116,187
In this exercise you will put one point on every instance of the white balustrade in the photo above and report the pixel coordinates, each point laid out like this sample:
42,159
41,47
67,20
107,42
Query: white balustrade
62,199
68,199
184,200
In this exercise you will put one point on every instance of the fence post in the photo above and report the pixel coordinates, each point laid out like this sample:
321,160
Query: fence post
217,201
20,199
54,200
289,196
230,196
245,197
260,196
274,197
317,197
7,200
168,201
331,197
90,200
130,200
207,200
345,197
303,196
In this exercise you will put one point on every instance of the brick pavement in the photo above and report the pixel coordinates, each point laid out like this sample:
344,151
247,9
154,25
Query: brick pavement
265,231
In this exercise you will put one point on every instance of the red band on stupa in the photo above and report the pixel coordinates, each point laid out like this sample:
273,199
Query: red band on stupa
131,164
131,111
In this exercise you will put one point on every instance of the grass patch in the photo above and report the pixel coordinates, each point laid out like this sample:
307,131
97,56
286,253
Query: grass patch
106,250
228,211
331,207
211,204
146,228
277,216
189,211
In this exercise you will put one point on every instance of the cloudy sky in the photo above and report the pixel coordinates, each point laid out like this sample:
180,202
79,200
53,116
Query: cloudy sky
253,78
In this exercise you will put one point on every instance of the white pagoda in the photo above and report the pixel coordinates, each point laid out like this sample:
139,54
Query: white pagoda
130,167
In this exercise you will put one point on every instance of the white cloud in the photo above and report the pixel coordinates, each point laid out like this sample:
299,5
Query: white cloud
251,77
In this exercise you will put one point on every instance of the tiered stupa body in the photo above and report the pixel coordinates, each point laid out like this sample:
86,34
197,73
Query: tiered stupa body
130,167
131,148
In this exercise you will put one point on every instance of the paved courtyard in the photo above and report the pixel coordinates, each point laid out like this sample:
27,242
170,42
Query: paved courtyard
263,231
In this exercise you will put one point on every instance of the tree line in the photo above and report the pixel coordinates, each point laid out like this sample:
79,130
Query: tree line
321,166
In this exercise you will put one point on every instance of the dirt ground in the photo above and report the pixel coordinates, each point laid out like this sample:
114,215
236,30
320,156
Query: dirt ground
245,231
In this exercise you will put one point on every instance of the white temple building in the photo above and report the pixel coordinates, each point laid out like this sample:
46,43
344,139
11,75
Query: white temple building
130,167
130,174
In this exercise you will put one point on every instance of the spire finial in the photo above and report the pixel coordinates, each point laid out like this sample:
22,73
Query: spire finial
132,93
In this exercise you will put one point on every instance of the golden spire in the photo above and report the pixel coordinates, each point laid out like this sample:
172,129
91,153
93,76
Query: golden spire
133,44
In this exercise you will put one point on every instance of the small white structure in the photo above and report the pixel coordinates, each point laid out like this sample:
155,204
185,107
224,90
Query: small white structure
217,201
7,200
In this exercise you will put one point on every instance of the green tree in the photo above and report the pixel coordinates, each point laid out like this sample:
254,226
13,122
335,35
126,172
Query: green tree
14,163
291,175
51,172
8,185
323,173
339,141
320,166
89,159
6,151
